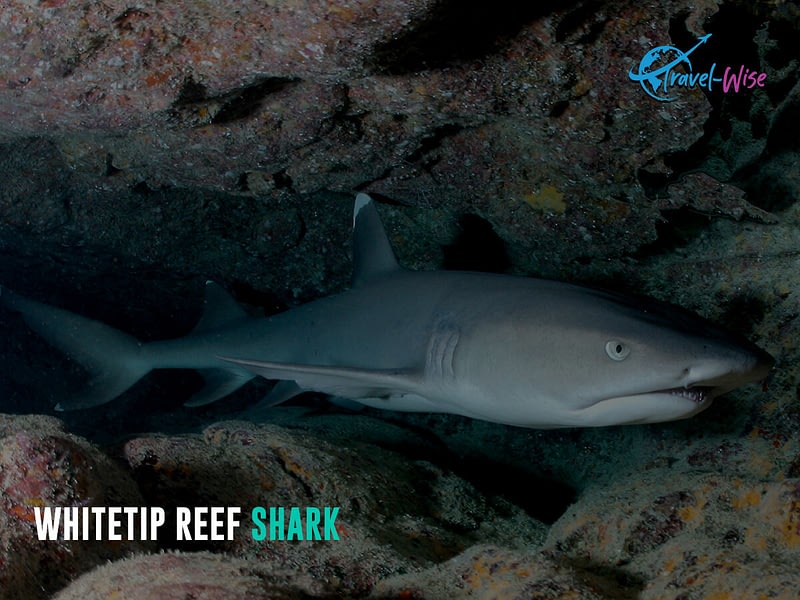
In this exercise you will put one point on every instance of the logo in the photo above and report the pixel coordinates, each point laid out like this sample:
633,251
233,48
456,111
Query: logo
665,69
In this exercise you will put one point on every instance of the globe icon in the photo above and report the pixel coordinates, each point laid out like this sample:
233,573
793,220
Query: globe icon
654,70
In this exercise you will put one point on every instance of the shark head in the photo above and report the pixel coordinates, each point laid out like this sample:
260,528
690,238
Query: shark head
599,358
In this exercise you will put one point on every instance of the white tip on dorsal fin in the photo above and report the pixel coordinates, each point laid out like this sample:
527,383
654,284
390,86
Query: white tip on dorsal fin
372,252
220,309
362,200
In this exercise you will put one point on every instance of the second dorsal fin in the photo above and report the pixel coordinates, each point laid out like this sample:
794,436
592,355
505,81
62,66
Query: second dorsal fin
220,309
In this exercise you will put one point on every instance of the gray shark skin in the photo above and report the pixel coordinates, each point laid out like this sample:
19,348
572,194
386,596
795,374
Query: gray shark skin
512,350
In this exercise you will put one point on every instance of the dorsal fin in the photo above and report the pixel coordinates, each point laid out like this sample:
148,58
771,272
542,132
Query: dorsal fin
372,252
220,309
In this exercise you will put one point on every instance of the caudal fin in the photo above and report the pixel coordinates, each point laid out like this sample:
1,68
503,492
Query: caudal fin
113,358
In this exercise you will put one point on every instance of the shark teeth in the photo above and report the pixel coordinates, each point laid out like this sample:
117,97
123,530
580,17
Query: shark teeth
696,394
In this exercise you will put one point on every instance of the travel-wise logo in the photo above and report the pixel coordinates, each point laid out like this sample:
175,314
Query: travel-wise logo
664,69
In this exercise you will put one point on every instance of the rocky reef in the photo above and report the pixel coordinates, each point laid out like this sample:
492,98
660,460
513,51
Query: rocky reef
148,147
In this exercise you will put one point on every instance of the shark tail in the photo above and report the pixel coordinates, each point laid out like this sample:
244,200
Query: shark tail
114,359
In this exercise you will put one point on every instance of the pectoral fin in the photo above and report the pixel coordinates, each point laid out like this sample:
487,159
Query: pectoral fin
338,381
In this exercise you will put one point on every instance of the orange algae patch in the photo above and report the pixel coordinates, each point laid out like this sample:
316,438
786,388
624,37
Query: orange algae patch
689,513
292,466
749,498
548,198
23,513
487,576
156,78
669,566
480,572
777,515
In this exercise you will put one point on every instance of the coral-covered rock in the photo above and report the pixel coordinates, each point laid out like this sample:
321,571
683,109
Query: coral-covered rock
503,574
705,194
394,515
176,576
473,109
704,534
40,466
115,66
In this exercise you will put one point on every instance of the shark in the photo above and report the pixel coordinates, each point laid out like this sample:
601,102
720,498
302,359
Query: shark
513,350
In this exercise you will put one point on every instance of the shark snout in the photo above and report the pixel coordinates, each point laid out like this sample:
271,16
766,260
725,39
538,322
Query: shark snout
731,371
762,365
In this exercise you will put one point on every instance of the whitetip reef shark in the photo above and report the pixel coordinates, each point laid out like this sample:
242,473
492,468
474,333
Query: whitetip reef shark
512,350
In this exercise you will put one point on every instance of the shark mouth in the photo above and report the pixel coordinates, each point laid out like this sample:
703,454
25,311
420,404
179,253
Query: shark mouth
697,394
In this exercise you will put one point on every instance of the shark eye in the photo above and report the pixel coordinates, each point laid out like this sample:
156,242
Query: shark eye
616,350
